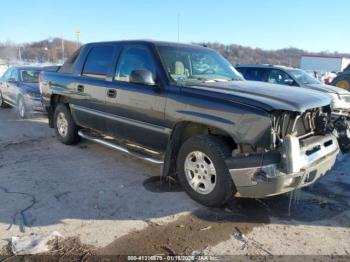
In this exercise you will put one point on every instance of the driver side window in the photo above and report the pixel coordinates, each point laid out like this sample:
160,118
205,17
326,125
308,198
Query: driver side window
134,58
279,77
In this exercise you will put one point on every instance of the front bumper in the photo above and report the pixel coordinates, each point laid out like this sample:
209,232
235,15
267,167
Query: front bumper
34,104
269,177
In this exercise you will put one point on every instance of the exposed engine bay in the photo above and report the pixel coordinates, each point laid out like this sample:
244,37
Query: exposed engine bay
314,122
342,132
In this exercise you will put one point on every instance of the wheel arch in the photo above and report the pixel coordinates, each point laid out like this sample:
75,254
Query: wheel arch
181,132
55,99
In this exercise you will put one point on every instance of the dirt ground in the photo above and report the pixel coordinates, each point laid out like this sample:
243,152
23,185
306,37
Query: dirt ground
118,205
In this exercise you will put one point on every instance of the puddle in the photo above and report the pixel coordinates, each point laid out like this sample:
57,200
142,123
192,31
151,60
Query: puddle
158,184
305,205
323,200
181,237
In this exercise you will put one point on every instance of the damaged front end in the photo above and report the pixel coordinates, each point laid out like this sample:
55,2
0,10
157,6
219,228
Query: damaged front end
340,119
302,150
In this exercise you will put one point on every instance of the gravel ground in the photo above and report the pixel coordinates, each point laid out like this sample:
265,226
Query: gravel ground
117,203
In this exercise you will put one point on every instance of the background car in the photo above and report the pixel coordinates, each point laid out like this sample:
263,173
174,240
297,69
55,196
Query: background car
283,75
343,79
19,88
296,77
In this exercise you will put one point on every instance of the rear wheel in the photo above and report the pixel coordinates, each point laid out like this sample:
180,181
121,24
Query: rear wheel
202,170
65,127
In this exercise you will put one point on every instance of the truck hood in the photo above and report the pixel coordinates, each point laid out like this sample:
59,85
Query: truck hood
328,89
267,96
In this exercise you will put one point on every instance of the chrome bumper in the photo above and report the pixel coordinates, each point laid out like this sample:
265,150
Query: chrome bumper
302,163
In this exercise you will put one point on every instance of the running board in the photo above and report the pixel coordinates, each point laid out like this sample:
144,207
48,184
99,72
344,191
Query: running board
102,141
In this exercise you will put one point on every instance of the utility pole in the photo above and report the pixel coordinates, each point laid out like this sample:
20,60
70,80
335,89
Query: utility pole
77,33
62,49
19,54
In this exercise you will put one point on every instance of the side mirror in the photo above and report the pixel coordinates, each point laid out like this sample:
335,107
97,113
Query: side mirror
289,82
142,76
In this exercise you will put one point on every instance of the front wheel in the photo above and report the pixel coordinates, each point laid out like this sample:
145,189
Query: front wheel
65,127
2,102
202,170
22,108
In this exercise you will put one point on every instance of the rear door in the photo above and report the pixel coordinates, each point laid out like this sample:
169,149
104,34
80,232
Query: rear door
88,104
137,111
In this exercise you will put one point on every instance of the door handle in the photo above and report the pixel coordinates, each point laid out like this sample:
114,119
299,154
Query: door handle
112,93
80,88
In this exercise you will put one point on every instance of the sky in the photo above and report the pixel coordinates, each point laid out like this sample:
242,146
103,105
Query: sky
312,25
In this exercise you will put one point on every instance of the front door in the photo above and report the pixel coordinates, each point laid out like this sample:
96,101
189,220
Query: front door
136,111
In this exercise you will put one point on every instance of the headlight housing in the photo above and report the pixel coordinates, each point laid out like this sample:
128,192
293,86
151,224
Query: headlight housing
31,95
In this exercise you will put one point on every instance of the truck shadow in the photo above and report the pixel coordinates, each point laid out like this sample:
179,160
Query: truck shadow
43,182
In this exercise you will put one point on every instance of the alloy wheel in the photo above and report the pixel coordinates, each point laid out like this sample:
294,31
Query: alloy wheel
200,172
62,124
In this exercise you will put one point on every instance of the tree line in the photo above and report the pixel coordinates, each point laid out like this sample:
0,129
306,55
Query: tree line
55,50
238,54
49,50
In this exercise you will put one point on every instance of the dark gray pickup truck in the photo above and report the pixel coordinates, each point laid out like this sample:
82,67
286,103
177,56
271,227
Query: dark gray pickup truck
185,107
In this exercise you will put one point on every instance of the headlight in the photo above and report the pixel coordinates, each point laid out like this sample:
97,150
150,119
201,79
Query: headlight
31,95
335,97
336,101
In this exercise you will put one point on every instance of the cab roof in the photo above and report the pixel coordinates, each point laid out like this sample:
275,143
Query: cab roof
151,42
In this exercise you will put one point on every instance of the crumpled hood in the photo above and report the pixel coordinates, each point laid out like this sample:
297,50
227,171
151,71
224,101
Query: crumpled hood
267,96
328,89
31,87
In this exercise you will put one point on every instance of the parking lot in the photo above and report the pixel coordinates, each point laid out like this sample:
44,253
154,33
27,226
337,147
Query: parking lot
117,203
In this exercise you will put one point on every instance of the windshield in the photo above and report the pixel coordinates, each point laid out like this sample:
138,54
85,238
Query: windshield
196,65
303,77
29,76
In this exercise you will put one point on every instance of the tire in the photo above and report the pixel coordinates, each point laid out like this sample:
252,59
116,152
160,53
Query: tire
2,103
22,108
65,128
209,192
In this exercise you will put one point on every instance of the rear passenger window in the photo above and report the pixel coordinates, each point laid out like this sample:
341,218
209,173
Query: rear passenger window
255,74
98,62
